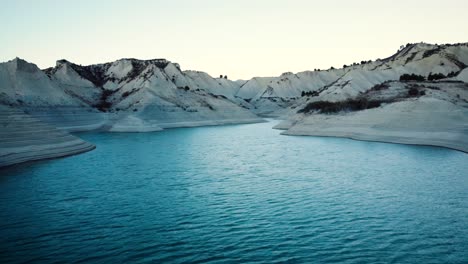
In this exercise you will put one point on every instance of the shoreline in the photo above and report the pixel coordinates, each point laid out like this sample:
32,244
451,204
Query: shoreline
156,127
32,153
221,122
426,122
385,138
25,138
47,156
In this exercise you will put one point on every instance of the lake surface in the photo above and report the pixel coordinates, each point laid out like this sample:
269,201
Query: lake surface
237,194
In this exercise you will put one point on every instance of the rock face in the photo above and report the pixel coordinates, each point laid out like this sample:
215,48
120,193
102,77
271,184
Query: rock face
24,86
125,84
25,138
126,95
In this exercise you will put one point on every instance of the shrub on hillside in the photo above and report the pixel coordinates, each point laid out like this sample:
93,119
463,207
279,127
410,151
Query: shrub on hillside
436,76
310,93
379,87
413,91
104,105
326,107
452,74
412,77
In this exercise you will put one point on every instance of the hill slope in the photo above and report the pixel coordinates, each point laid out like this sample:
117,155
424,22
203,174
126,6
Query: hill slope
350,81
132,95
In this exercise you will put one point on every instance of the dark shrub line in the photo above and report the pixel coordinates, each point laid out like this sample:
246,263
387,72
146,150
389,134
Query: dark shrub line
436,76
310,93
104,105
325,107
186,88
430,77
412,77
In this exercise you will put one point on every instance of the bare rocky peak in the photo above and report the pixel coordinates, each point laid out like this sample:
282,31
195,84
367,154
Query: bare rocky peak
99,74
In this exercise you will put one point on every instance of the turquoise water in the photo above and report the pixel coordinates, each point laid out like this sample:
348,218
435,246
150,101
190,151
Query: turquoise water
237,194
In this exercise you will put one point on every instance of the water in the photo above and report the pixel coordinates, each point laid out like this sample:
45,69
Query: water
237,194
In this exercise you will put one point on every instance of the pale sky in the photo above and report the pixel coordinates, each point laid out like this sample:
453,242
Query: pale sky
239,38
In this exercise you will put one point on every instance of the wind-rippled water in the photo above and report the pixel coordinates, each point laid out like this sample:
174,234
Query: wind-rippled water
237,194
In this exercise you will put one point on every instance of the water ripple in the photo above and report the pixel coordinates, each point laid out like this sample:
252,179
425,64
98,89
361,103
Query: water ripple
237,194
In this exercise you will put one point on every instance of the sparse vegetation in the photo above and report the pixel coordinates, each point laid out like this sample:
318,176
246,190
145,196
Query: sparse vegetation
326,107
431,52
379,87
186,88
104,105
412,77
309,93
452,74
137,69
127,93
436,76
413,91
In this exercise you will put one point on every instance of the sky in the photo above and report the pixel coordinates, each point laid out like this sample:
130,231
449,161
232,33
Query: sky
238,38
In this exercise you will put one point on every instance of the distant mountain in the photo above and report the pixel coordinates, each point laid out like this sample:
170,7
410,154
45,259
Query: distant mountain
110,85
151,91
350,81
158,91
130,84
